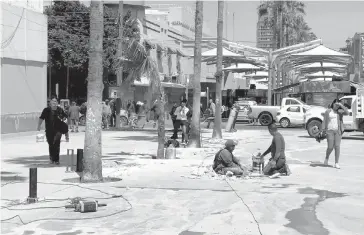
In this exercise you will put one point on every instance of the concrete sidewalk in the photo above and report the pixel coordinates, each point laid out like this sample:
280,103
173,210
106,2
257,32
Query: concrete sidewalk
313,200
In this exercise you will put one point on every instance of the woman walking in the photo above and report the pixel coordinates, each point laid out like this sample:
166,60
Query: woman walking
334,128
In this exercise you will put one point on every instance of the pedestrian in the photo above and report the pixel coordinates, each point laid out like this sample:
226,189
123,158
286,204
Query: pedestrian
54,128
156,112
176,124
333,127
237,108
74,115
181,113
277,163
106,112
212,109
113,112
141,114
65,109
147,110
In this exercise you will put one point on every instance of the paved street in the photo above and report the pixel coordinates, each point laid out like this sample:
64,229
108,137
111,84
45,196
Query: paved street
166,196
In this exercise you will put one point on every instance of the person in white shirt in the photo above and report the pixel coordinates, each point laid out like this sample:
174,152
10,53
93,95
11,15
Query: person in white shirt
181,117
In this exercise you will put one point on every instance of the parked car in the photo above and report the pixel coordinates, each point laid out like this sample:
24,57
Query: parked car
267,114
244,110
292,115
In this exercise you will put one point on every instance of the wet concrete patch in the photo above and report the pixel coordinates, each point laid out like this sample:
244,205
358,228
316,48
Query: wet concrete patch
304,219
71,233
186,232
28,232
279,186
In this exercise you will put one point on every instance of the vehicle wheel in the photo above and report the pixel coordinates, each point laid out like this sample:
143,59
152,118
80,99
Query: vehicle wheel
284,122
123,121
314,128
265,119
82,121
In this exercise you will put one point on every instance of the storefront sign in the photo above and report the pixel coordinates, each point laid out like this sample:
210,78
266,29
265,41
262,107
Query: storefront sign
257,93
325,86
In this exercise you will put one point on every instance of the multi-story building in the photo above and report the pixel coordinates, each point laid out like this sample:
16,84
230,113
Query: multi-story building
355,47
23,63
264,35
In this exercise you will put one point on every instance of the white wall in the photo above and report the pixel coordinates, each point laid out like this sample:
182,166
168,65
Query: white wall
30,37
34,5
23,61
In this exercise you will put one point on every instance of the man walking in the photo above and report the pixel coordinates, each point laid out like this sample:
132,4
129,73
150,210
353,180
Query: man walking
106,112
212,109
74,114
53,116
277,164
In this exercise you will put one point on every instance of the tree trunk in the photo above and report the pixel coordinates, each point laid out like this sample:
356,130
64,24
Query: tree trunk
161,123
219,75
195,140
119,73
92,171
287,35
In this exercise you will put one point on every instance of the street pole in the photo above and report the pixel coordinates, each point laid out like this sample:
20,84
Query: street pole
270,77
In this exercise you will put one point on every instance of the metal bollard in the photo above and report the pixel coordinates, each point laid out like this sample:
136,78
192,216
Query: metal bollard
79,167
69,163
33,181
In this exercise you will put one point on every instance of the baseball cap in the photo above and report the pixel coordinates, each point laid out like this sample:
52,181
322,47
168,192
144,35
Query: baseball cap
230,143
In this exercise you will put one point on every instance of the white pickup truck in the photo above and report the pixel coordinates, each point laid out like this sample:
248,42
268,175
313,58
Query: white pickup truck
353,122
267,114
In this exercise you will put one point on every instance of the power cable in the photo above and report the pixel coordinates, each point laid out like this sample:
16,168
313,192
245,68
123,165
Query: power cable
67,219
26,18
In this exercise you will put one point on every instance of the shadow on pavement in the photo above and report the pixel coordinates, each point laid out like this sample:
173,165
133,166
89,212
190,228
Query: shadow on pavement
144,155
138,138
319,164
7,176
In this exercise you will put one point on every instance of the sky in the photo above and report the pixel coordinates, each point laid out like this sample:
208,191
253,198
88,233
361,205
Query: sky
332,21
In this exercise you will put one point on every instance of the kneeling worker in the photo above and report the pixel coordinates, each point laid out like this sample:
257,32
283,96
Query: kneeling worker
225,161
277,164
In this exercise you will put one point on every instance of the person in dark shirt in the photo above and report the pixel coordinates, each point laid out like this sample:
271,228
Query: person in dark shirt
225,161
53,115
277,163
176,124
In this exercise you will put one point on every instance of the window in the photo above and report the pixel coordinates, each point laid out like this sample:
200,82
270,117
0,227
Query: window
295,109
291,102
346,102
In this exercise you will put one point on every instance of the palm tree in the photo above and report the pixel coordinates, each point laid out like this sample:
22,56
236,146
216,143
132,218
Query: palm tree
281,17
138,62
195,127
219,74
119,72
93,150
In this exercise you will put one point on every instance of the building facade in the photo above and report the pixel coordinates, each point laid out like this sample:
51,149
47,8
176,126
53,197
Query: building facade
355,47
23,59
264,35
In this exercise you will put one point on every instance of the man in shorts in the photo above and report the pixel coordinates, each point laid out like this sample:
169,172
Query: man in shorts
74,114
181,119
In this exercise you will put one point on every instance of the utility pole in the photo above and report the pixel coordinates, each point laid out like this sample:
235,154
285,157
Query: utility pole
68,80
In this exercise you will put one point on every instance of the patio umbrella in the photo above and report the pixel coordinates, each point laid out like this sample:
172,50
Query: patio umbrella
259,74
323,75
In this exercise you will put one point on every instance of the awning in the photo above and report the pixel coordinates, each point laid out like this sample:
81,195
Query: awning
324,74
242,67
321,51
286,87
225,53
259,74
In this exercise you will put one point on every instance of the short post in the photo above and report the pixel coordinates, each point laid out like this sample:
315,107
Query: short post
69,164
79,166
32,185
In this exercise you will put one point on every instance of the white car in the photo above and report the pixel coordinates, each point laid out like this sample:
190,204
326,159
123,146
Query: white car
292,115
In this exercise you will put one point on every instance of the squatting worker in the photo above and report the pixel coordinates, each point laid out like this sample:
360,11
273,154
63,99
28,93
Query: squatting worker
52,115
277,164
333,126
225,161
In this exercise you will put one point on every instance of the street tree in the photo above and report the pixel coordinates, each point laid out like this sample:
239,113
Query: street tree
195,140
217,133
138,62
92,171
119,71
286,19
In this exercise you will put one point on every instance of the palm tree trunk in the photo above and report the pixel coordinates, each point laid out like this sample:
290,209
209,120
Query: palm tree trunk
195,125
161,123
219,75
92,150
119,74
